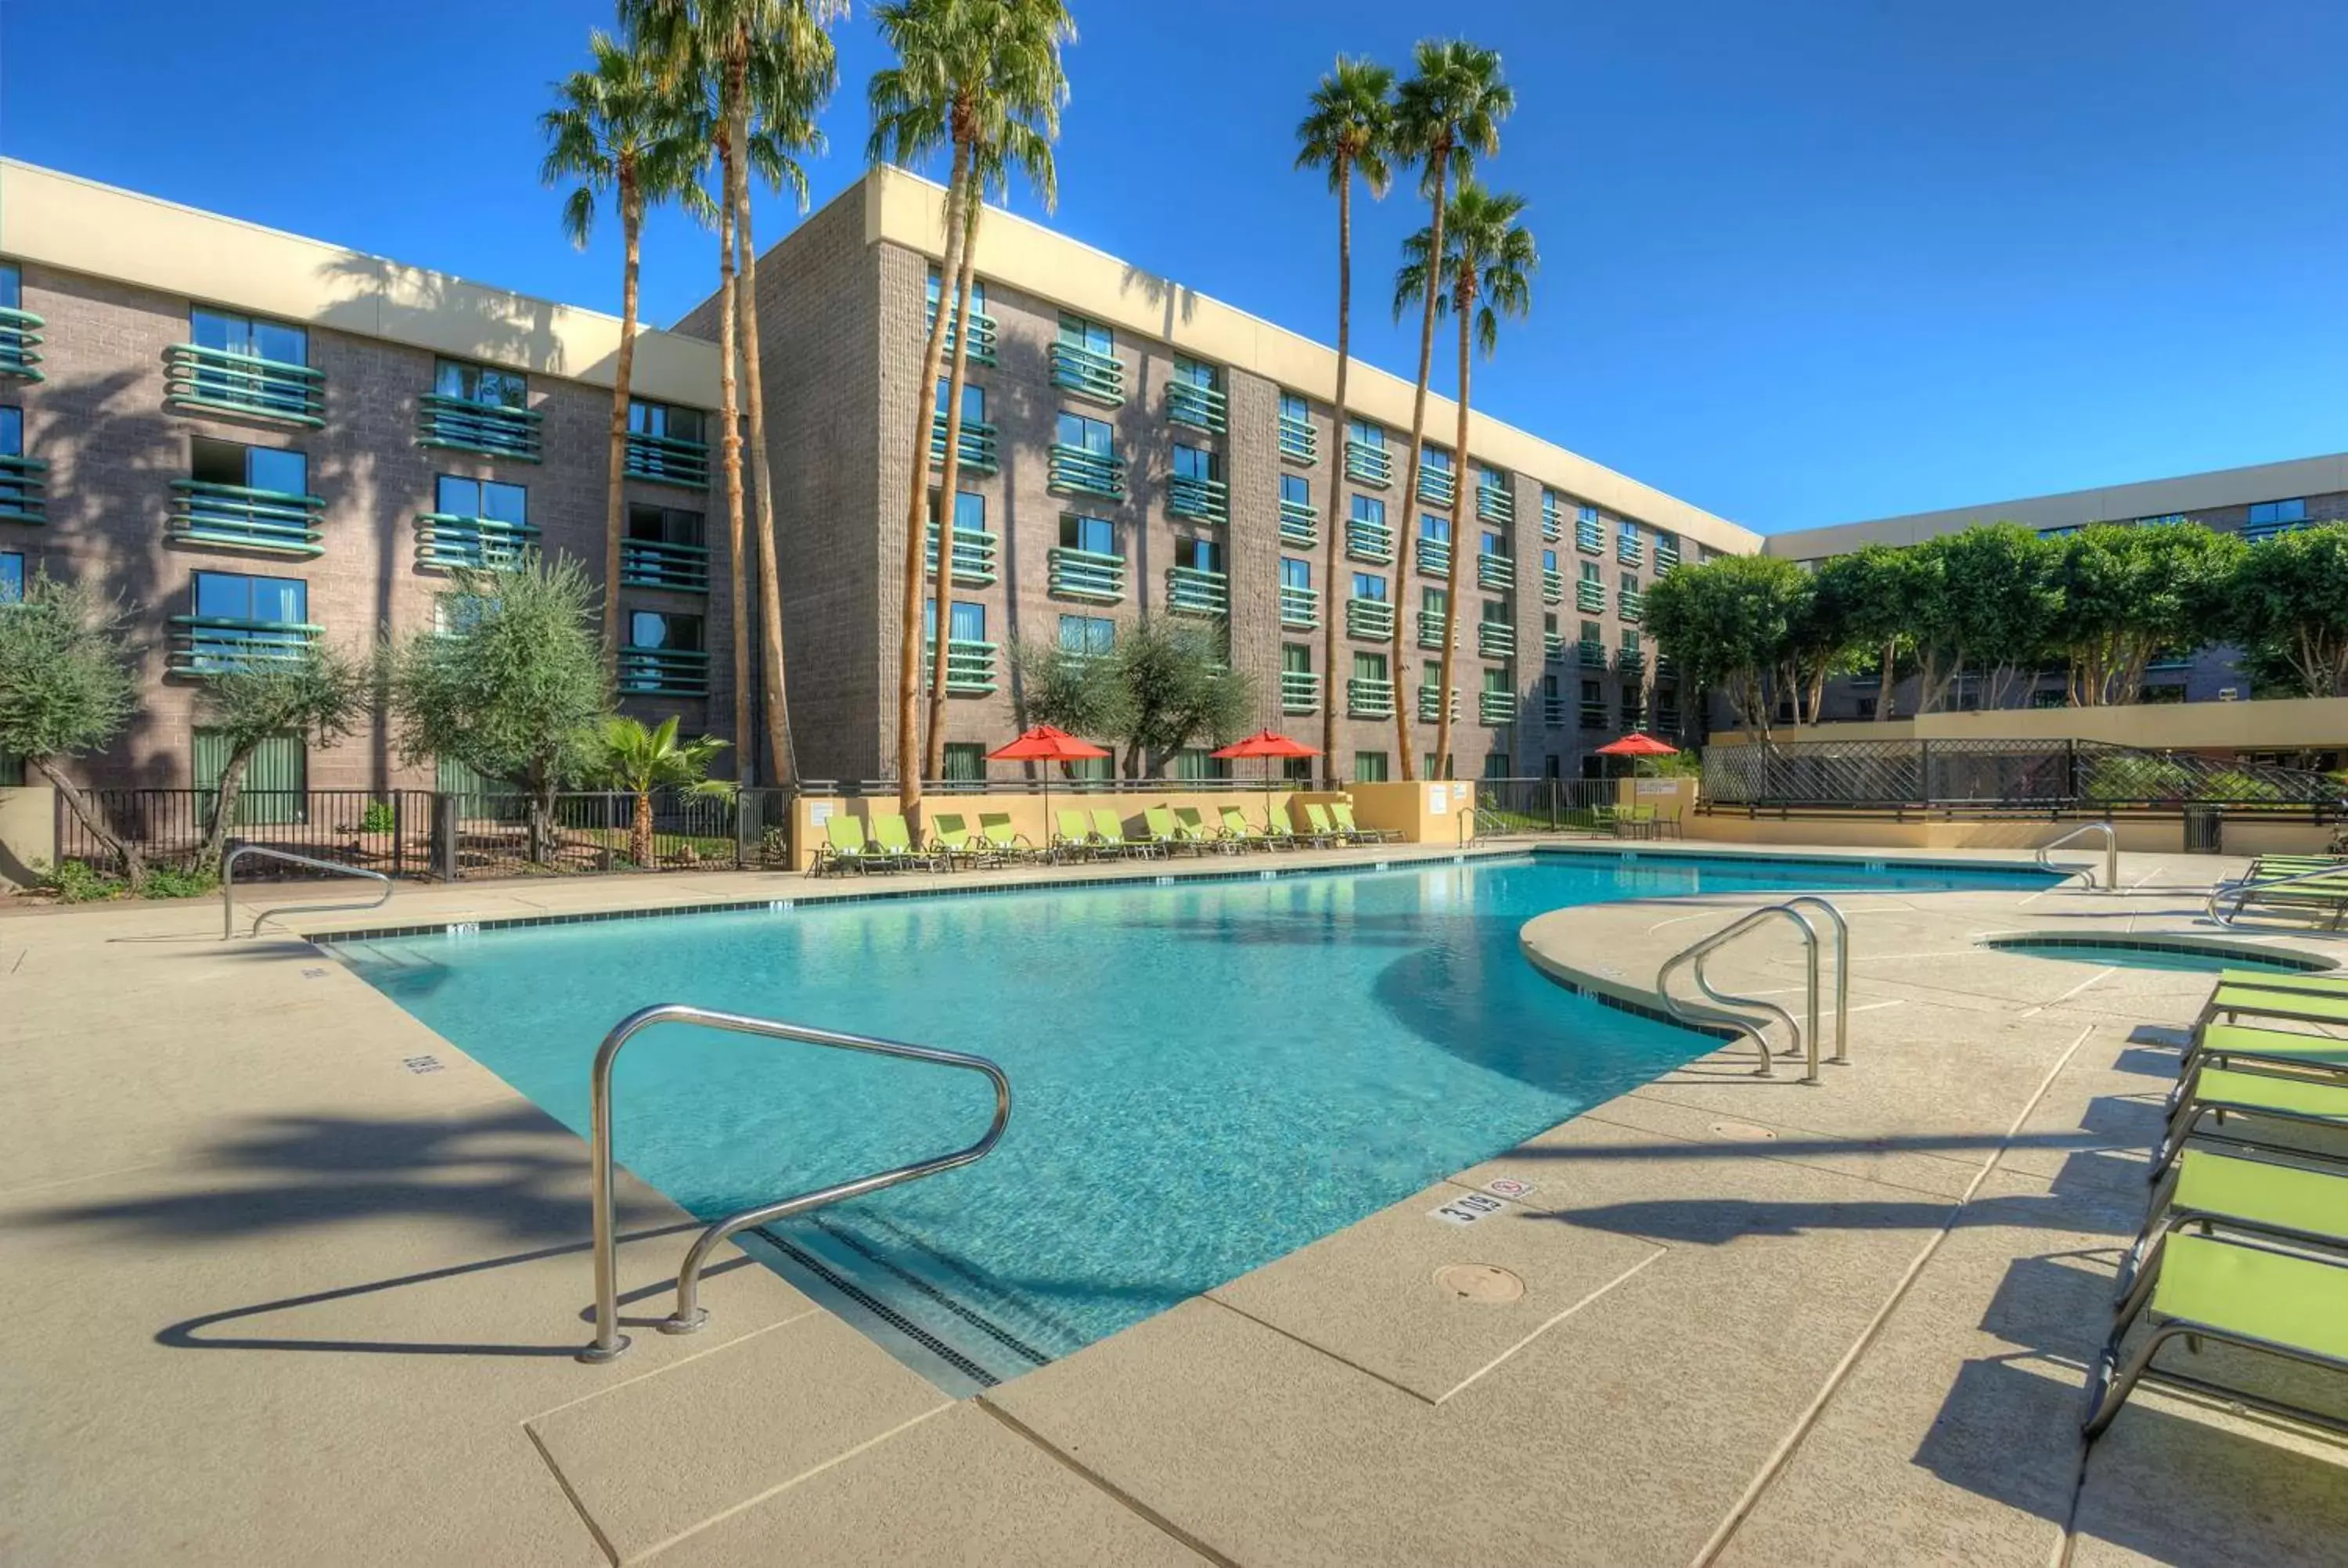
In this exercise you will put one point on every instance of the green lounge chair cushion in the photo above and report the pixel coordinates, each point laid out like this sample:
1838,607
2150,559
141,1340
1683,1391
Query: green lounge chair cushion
1111,830
889,832
2280,1044
1073,828
2262,1193
953,830
2281,1004
2296,1302
1161,824
1319,817
2227,1089
2317,981
845,835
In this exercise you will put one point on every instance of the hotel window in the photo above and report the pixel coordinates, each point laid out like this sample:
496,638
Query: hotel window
1200,554
480,384
973,401
977,294
659,419
1091,336
1436,531
458,612
1369,585
12,577
1089,635
250,497
267,468
11,287
1294,573
1295,500
1369,666
1367,433
1369,767
1495,544
967,623
249,338
236,595
12,433
1086,435
1197,763
1589,573
1433,601
2268,519
459,497
664,629
1195,463
1294,407
965,761
664,526
1096,536
970,511
1631,585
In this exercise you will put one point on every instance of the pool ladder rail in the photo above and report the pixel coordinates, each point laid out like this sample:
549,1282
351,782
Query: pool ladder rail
228,888
608,1342
1800,1039
2111,883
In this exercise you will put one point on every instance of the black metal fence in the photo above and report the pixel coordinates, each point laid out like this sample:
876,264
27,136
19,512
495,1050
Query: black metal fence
2009,775
1504,806
448,836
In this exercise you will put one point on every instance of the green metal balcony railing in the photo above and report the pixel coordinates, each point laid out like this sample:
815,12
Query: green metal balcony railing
20,344
1368,464
1300,607
1372,542
1631,605
1298,442
1496,639
1589,596
1369,618
1496,708
664,671
209,645
210,380
1088,575
973,556
1587,538
1437,486
1300,691
24,489
1429,708
1432,626
1098,376
657,563
1590,653
1553,645
1552,587
1081,471
1204,500
1552,519
445,542
970,666
665,460
1299,524
235,518
981,334
1496,571
1200,407
1369,699
1495,503
1667,720
977,444
1194,591
1592,715
1555,712
1627,549
1631,663
1433,556
1668,669
454,425
1667,553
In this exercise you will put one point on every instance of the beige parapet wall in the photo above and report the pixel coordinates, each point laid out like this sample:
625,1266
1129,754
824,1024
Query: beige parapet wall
2240,836
2313,723
28,835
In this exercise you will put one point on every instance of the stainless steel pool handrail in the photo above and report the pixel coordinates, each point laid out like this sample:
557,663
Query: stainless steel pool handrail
609,1341
228,888
1693,957
2111,854
1842,970
2242,890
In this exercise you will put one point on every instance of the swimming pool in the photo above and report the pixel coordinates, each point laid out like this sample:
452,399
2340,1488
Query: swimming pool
1209,1073
2178,955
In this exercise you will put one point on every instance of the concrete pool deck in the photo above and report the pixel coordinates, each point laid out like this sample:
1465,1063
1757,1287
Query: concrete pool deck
285,1277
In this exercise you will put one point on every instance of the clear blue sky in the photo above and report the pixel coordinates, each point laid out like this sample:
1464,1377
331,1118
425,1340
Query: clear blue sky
1804,261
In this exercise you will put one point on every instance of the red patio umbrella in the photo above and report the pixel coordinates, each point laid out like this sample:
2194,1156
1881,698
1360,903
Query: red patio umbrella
1045,745
1267,744
1639,744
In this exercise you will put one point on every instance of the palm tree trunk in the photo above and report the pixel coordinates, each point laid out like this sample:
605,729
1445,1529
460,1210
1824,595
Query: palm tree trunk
126,853
949,475
632,229
1465,288
640,830
781,765
1336,472
729,436
917,502
1436,158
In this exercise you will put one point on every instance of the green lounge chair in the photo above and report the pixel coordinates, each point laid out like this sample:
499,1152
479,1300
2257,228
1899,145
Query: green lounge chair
843,848
892,840
2231,1002
1341,811
951,837
1110,833
2224,1044
2321,982
995,826
1073,838
2283,1303
1239,830
1283,826
2298,1103
1316,816
1198,830
1165,834
2263,1197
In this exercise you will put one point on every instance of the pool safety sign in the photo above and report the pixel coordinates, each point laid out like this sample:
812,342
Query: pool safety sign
1438,800
1466,1209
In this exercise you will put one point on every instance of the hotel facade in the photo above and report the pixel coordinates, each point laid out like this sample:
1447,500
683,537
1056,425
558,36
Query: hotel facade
253,439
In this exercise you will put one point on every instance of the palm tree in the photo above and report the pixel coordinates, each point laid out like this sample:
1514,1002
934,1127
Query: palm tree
1484,272
639,761
983,78
1445,115
1349,129
614,127
764,68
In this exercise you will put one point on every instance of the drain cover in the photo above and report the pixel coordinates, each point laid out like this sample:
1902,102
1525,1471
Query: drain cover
1478,1283
1742,1132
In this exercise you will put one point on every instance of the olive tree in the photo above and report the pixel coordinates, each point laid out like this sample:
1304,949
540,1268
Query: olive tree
317,692
1165,685
2129,593
514,687
67,688
1726,624
1998,597
2287,609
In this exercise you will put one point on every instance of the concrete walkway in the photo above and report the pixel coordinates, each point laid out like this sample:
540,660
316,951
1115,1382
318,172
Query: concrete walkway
284,1277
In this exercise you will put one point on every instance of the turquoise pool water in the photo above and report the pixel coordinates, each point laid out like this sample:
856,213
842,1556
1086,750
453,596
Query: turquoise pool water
1206,1074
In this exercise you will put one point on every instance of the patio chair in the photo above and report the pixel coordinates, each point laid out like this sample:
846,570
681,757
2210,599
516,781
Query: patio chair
2225,1044
1072,835
2233,1002
1194,826
2261,1196
1281,827
1238,829
1341,811
994,827
2302,1104
1164,833
892,840
1316,816
2289,1305
2319,895
844,848
2322,982
951,836
1109,834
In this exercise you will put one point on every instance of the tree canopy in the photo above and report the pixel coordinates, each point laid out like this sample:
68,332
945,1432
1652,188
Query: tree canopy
67,687
1165,685
319,694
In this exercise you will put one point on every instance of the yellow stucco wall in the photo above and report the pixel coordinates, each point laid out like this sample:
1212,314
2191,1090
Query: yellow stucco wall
28,833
